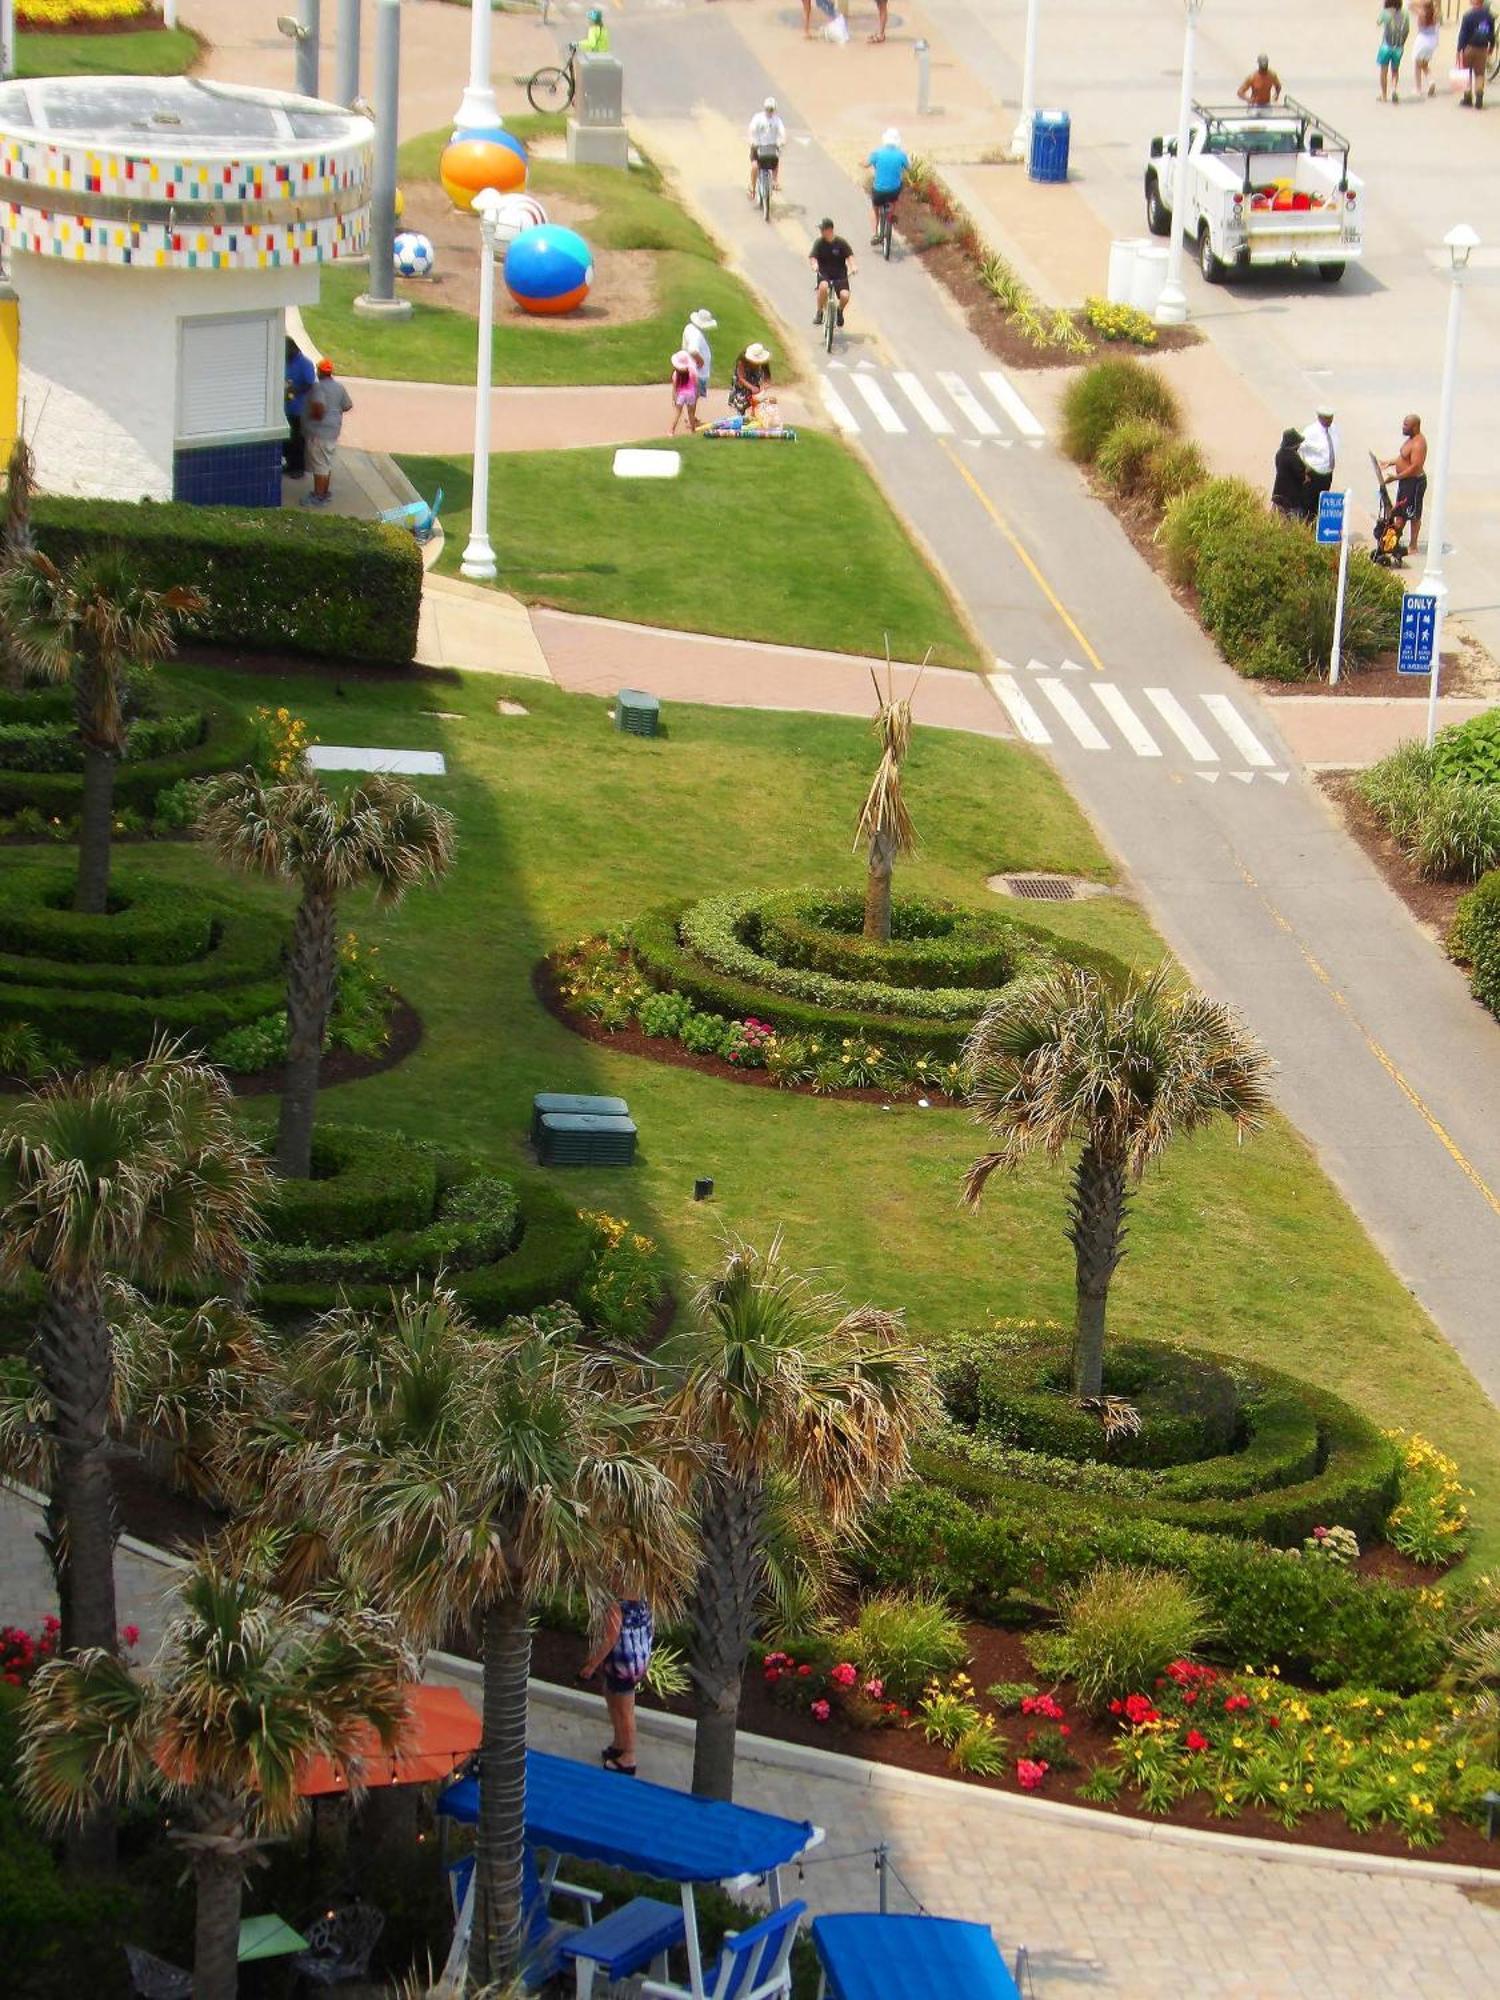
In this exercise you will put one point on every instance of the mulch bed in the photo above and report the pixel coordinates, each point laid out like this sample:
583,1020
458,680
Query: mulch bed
1432,903
931,237
997,1655
663,1049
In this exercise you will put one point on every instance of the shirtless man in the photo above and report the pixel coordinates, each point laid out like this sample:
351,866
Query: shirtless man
1411,478
1424,44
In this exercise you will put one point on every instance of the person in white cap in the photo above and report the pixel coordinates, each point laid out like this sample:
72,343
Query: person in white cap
684,390
767,137
695,341
890,164
1320,454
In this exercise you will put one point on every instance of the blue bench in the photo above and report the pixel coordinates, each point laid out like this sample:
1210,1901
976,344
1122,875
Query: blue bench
638,1934
568,1104
567,1140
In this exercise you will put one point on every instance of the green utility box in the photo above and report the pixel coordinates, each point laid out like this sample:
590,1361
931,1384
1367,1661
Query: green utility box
571,1140
636,713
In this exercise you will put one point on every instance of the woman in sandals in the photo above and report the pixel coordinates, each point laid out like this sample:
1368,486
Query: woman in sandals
624,1654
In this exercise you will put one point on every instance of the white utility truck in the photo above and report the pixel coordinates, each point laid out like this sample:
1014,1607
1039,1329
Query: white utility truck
1264,185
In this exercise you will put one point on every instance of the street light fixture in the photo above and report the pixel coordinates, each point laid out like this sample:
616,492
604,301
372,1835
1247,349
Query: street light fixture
303,32
478,560
477,107
1172,306
1020,139
1461,242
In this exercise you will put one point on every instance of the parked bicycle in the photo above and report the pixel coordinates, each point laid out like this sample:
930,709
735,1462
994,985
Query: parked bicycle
553,88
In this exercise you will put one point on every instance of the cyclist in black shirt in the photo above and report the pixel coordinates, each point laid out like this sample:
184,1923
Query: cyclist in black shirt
833,261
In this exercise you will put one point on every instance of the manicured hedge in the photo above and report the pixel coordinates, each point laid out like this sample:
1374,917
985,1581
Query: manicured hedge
363,1184
155,920
229,738
477,1222
1474,939
933,944
666,963
1307,1615
276,581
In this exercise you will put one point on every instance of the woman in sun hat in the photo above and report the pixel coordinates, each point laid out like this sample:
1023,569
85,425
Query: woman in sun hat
695,339
752,377
684,390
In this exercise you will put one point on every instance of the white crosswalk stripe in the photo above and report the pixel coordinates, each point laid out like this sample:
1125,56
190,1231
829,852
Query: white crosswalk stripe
970,408
837,408
1074,715
1182,725
1012,406
1029,725
1135,732
881,407
923,404
1239,732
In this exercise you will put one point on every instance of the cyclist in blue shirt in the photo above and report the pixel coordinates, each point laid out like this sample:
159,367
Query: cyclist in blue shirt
890,164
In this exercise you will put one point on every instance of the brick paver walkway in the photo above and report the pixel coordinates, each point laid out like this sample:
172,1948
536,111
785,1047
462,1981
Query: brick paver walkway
1100,1913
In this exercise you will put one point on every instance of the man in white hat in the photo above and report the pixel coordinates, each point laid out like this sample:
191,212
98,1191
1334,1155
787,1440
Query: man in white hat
695,340
1319,452
767,137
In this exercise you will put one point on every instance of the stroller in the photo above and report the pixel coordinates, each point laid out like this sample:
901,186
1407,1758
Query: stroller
1392,519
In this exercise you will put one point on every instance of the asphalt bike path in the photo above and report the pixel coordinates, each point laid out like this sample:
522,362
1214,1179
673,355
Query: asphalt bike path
1385,1062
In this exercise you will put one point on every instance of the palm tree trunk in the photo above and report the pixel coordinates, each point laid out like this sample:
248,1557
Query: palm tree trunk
1097,1232
499,1917
311,968
94,829
878,889
725,1607
218,1878
75,1357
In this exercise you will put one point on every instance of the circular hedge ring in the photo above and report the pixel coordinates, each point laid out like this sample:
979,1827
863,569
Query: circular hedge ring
933,944
151,920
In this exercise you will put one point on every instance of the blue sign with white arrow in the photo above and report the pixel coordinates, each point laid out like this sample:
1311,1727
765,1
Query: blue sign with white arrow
1331,517
1418,631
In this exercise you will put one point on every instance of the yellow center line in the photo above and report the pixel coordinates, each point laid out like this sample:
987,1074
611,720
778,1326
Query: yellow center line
1036,575
1382,1055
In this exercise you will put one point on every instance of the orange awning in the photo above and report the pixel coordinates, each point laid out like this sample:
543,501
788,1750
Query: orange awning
443,1730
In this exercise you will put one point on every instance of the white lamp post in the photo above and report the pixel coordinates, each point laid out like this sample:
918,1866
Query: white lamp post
1461,242
1020,139
477,107
478,559
1172,306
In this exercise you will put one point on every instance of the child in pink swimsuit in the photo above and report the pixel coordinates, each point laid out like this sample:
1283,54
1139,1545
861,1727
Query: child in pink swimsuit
684,390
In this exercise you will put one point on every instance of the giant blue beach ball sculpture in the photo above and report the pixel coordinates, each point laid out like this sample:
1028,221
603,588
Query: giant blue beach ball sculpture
549,269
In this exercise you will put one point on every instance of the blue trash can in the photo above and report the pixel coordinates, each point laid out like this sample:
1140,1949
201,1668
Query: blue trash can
1051,132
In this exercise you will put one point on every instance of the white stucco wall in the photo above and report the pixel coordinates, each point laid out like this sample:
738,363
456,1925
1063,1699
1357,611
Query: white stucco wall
99,351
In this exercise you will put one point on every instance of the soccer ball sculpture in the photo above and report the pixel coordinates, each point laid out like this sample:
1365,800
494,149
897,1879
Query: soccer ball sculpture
549,269
497,160
414,254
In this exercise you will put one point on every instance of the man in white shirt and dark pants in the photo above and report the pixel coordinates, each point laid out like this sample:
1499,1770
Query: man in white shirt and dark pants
1320,454
768,136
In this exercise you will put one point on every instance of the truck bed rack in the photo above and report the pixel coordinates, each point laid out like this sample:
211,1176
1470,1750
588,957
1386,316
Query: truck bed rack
1234,125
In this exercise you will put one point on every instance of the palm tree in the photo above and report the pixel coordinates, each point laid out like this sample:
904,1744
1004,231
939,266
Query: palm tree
459,1477
16,541
88,624
244,1691
884,825
781,1383
1119,1066
137,1172
381,835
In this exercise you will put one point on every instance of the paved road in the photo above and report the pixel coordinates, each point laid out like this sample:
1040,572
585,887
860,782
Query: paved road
1385,1062
1104,1917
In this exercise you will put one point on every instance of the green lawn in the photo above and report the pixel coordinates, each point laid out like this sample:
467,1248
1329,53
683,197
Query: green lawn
793,543
150,52
568,827
633,211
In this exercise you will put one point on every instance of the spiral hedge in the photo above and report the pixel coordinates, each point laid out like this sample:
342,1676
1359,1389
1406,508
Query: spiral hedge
1252,1452
41,763
382,1211
797,959
170,957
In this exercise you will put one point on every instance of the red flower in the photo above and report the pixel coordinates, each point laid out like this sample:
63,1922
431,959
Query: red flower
131,1634
773,1674
843,1675
1043,1704
1195,1740
1030,1773
1234,1703
1273,1722
820,1711
803,1672
1139,1708
1065,1729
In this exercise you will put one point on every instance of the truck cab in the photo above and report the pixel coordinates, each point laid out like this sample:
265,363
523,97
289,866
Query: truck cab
1262,185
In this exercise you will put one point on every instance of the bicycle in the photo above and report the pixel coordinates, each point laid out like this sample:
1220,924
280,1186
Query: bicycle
765,179
830,318
884,234
553,89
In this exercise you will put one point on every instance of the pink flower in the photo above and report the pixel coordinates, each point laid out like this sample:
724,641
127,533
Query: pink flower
874,1689
844,1675
1045,1705
1031,1772
820,1711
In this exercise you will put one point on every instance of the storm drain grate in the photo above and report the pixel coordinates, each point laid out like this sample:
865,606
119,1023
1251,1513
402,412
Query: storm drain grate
1042,888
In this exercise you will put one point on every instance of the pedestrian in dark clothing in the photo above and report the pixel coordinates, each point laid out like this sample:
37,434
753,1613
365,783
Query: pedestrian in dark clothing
1476,42
1289,493
300,377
